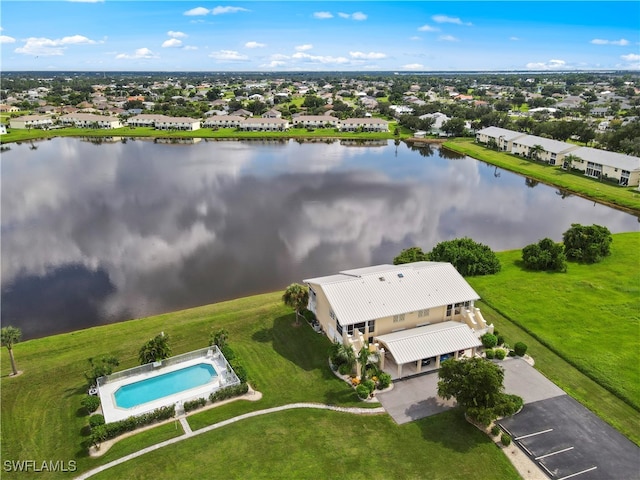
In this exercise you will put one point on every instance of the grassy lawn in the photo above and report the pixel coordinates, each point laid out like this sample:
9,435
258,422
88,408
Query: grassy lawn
589,315
17,135
310,444
627,198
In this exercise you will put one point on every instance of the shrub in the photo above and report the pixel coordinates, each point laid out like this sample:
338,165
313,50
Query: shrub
546,255
370,384
495,430
344,369
228,352
500,354
588,244
520,349
229,392
409,255
490,353
241,372
512,353
467,256
505,439
489,340
481,415
362,391
507,405
111,430
193,404
95,420
384,380
90,403
500,339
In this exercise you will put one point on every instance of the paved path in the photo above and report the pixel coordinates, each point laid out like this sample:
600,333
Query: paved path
189,433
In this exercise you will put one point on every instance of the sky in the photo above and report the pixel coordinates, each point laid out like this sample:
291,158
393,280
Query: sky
414,36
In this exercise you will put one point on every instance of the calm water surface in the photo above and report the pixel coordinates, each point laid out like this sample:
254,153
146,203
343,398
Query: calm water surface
93,234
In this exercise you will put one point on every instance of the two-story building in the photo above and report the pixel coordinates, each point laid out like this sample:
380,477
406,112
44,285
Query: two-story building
31,121
413,315
542,149
89,120
501,138
315,121
595,163
364,124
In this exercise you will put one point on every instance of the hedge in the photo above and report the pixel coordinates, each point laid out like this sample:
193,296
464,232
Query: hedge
111,430
229,392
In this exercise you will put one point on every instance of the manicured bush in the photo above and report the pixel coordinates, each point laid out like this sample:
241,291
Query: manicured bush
495,430
111,430
520,349
362,391
344,369
229,392
90,403
546,255
512,353
467,256
193,404
241,372
489,340
508,405
228,352
505,439
500,339
490,353
588,244
384,380
95,420
370,384
500,354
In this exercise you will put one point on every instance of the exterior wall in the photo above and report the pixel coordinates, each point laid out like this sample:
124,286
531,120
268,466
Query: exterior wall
24,123
351,125
322,311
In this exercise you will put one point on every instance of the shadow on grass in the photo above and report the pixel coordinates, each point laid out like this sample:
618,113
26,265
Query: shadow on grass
452,431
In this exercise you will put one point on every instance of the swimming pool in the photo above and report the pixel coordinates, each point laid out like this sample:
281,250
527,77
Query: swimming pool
149,389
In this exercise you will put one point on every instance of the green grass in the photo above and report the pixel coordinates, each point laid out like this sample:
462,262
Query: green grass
589,315
310,444
627,198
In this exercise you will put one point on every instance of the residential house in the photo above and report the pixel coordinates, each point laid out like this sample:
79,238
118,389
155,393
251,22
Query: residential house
9,108
164,122
500,137
364,124
273,113
264,124
242,112
595,163
223,121
542,149
89,120
439,119
31,121
315,121
413,315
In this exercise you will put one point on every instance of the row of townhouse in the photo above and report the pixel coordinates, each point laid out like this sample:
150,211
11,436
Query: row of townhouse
593,162
89,120
164,122
305,121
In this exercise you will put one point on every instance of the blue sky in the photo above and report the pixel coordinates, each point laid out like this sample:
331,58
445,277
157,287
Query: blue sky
319,36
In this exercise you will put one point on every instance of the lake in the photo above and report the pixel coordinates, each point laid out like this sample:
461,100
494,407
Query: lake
99,232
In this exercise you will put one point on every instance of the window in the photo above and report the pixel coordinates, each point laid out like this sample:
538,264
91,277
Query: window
594,170
449,307
338,327
372,326
398,318
360,327
423,313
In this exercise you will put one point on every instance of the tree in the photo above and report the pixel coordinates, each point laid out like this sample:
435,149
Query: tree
536,151
546,255
296,296
219,338
588,244
155,349
408,255
467,256
10,336
454,127
99,367
477,386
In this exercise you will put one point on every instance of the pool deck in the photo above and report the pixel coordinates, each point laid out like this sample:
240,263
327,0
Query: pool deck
113,413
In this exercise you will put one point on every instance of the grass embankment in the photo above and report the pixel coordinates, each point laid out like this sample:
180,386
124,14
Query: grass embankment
588,316
627,198
42,418
16,135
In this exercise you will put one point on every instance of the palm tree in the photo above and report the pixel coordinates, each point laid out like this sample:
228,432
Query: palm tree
155,349
296,296
536,151
10,335
364,358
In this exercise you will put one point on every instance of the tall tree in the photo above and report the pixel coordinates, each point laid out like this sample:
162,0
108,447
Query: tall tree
100,367
10,336
155,349
296,296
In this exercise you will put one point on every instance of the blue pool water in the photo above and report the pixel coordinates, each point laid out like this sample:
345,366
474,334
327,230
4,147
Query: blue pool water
154,388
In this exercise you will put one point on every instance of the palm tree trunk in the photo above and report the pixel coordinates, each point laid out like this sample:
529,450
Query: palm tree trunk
13,362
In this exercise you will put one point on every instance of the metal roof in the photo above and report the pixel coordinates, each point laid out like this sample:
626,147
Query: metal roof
430,341
549,145
380,291
609,159
497,132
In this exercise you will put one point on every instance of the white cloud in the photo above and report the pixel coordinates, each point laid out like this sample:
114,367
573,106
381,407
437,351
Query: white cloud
172,43
514,39
413,66
343,15
632,57
273,64
304,48
415,38
322,15
173,34
190,47
359,16
447,19
368,56
46,46
222,10
320,58
550,65
598,41
448,38
138,54
279,56
196,11
228,56
428,28
7,39
255,45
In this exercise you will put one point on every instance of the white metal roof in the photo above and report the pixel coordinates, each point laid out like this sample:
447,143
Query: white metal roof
609,159
380,291
497,132
549,145
429,341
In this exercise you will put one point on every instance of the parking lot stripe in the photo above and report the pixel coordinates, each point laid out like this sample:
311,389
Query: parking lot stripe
554,453
545,467
534,434
578,473
525,449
